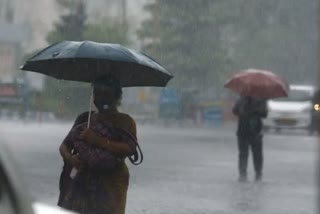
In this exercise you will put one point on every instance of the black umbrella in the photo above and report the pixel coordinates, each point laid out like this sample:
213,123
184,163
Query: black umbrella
86,61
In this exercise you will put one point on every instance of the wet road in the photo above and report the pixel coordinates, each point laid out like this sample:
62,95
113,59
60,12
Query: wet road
186,170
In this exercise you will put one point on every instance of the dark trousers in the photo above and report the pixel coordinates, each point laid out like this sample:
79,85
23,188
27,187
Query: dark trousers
255,143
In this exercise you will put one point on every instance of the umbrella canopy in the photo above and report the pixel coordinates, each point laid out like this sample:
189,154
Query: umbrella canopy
86,61
258,83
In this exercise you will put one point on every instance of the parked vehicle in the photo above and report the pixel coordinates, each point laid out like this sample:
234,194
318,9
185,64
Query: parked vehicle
292,112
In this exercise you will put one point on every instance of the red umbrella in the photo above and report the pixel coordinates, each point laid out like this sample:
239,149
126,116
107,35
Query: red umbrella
258,83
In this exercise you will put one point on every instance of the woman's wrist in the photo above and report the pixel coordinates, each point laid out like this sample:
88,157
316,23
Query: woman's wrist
96,140
107,143
68,157
71,156
100,141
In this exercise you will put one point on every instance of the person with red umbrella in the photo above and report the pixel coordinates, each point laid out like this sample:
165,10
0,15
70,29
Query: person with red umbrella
254,88
250,112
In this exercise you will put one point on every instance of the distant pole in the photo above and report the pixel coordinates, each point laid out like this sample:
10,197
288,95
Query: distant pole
124,12
1,10
40,105
156,24
318,46
318,86
9,13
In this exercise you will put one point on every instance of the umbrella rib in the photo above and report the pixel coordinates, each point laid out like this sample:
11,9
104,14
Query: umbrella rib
40,52
80,46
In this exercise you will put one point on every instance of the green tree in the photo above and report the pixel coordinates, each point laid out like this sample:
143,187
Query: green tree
276,35
65,97
107,30
186,38
72,24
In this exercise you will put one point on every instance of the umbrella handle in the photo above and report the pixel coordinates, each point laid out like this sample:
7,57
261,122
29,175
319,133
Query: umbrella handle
90,108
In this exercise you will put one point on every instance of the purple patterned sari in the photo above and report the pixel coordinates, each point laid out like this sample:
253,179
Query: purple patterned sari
88,191
97,158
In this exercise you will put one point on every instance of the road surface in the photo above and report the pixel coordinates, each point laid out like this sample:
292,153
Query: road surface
185,171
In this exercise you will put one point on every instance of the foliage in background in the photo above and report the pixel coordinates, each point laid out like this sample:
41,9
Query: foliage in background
67,98
107,30
72,24
202,42
280,36
185,36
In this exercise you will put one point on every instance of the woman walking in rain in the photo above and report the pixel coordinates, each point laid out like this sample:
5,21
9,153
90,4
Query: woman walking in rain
250,112
94,187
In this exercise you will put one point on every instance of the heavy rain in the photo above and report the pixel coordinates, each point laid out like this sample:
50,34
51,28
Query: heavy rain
222,98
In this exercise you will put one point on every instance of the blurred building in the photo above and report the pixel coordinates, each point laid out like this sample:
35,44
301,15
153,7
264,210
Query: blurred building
24,26
13,38
21,33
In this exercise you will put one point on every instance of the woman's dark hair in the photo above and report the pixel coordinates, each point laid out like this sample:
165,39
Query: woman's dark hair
109,81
